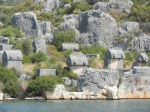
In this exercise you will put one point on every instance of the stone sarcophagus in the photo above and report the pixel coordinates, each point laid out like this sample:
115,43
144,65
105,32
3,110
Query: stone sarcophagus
77,62
13,59
114,59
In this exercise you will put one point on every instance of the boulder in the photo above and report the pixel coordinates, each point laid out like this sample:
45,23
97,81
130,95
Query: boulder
112,93
50,5
122,6
92,27
93,80
39,45
67,81
1,96
129,27
27,22
141,43
38,1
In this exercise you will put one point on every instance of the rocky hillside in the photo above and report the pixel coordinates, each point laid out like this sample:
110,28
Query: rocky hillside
39,27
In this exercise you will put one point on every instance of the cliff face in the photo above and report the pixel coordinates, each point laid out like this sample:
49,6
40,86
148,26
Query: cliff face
93,27
135,84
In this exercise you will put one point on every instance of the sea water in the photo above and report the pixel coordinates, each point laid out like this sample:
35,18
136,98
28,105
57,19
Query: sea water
76,106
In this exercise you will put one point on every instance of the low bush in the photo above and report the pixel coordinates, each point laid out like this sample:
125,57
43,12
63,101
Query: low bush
38,57
9,78
41,84
63,37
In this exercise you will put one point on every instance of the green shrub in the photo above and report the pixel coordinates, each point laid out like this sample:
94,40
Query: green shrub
41,84
94,50
63,37
140,11
23,45
38,57
11,32
9,78
70,74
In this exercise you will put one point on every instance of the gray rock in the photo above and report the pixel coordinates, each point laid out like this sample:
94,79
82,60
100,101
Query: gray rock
4,40
46,72
28,24
78,0
67,6
92,28
25,77
93,80
136,85
38,1
129,27
119,5
39,45
141,43
1,96
145,26
67,81
50,5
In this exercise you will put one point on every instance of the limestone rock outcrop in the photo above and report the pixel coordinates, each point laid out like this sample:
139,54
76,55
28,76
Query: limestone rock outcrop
141,43
92,27
135,84
27,22
1,96
39,44
93,80
119,5
129,27
49,5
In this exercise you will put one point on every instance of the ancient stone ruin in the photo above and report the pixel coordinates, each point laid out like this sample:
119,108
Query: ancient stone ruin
27,22
13,59
39,44
77,62
4,45
97,56
141,59
46,72
70,46
114,59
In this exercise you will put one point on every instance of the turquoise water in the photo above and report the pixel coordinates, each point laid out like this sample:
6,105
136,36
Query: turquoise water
76,106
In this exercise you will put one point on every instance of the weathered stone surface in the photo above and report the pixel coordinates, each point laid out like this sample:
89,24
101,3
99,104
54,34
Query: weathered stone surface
46,72
38,1
119,5
77,62
93,80
1,96
97,56
28,24
24,76
67,6
49,5
135,84
145,26
70,46
141,43
4,40
129,27
114,59
13,59
112,93
67,81
92,28
39,45
61,93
